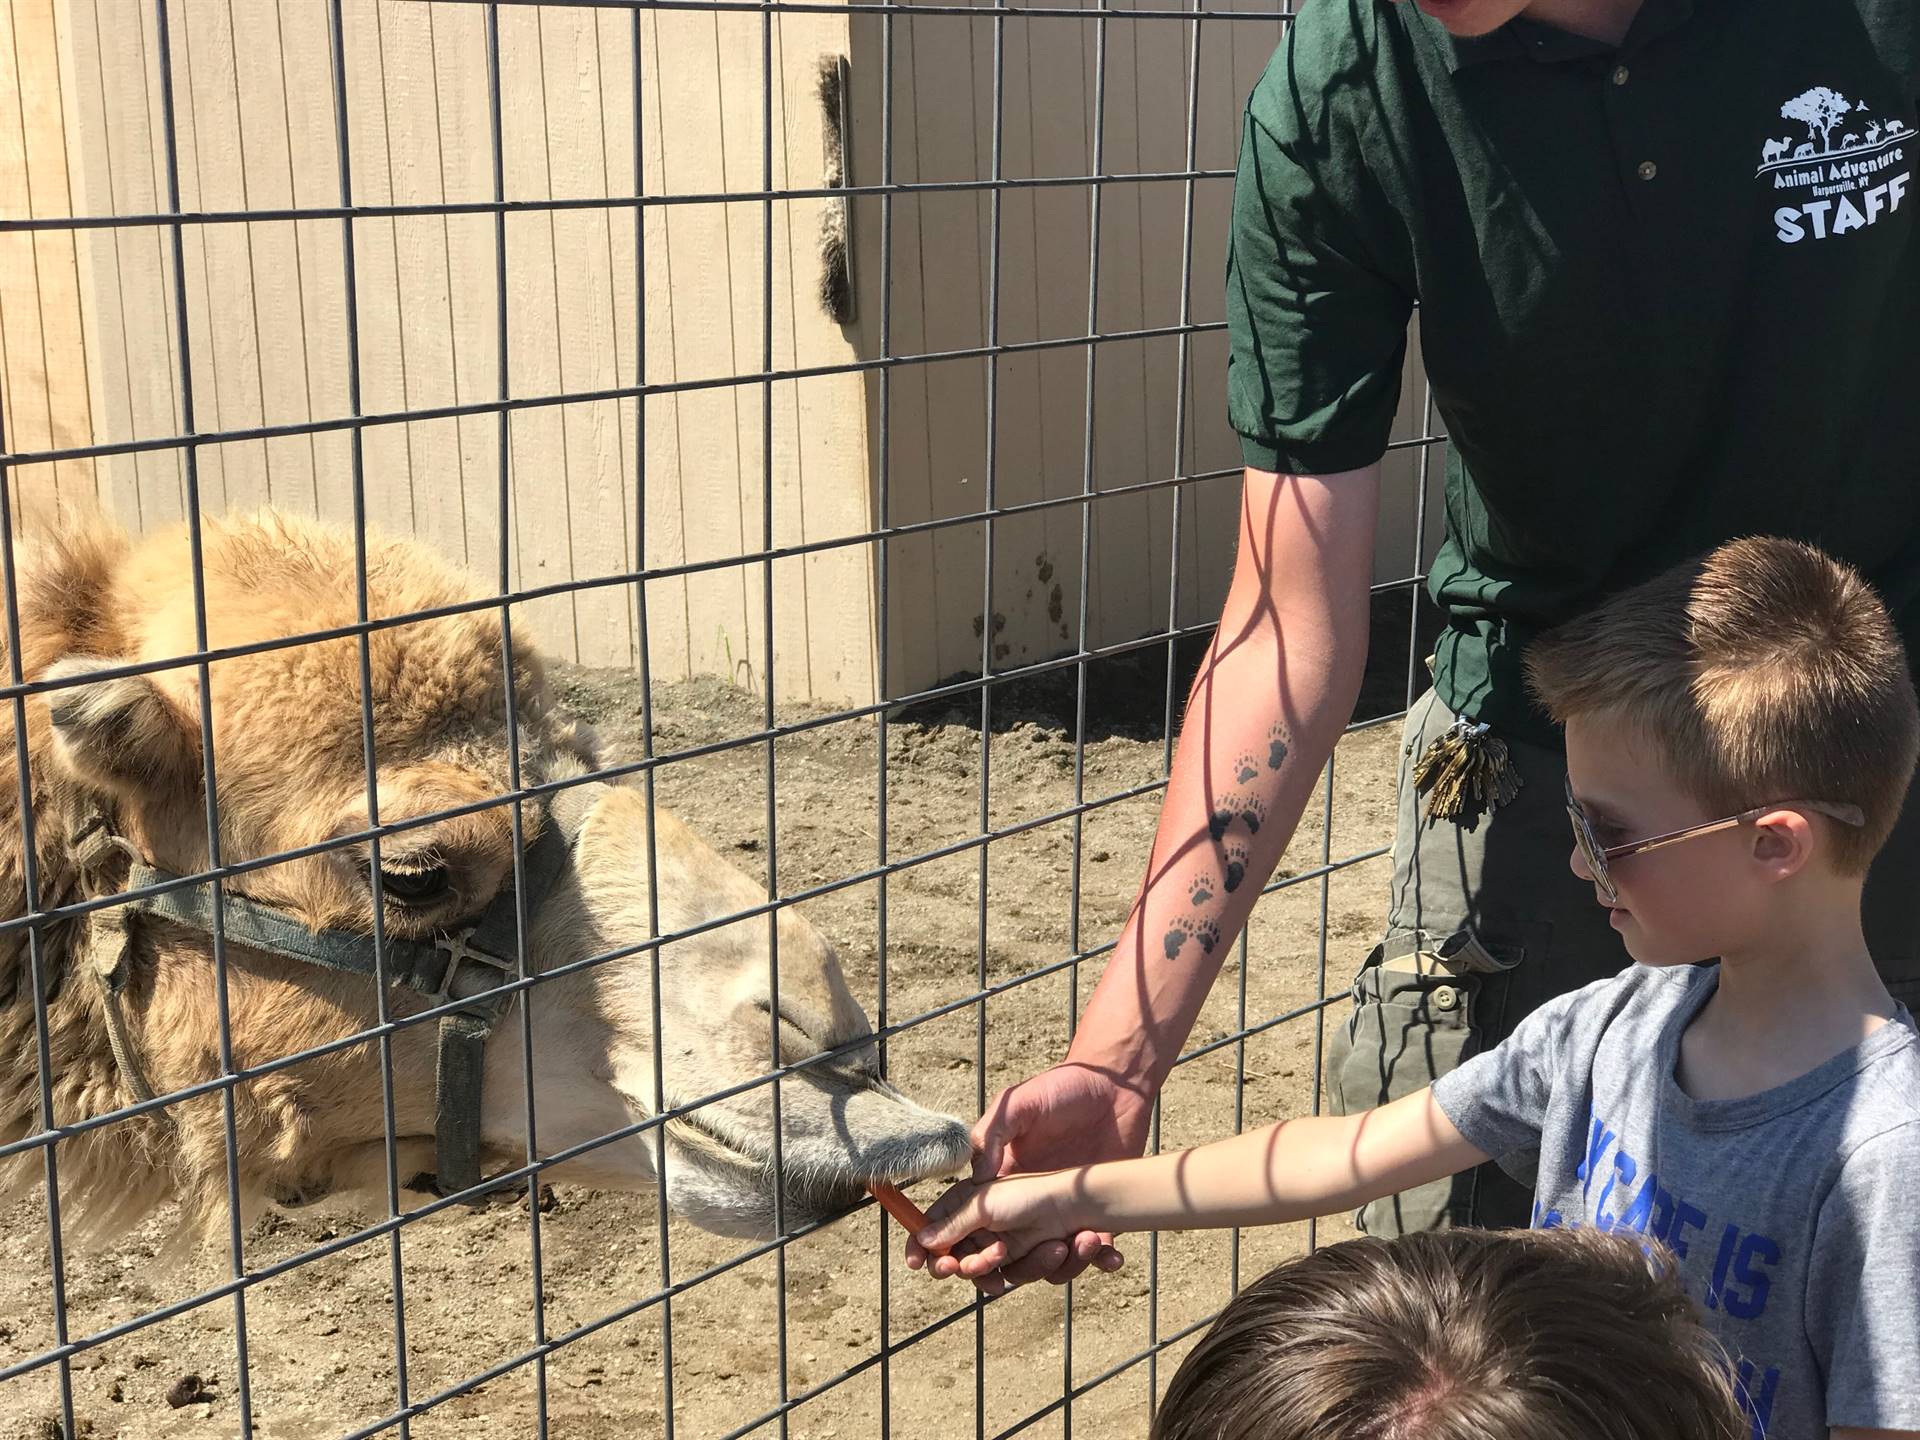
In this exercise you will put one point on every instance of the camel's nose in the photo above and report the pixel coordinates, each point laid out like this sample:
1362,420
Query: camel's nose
876,1133
940,1147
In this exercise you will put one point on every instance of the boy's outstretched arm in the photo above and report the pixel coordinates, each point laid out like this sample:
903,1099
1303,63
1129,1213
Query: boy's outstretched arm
1288,1171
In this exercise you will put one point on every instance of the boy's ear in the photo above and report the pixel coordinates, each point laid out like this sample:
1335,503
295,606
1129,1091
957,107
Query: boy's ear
120,735
1783,842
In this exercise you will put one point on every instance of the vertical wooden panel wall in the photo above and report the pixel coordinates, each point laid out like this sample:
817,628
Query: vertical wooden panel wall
1154,416
944,294
92,351
267,316
44,402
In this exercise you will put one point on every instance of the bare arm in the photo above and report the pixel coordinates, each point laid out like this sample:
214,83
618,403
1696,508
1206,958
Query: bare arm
1288,1171
1271,698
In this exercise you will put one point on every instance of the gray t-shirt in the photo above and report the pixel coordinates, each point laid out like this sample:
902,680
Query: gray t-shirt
1795,1213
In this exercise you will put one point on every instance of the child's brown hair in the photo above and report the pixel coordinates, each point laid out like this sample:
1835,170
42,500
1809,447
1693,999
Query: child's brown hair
1766,671
1458,1335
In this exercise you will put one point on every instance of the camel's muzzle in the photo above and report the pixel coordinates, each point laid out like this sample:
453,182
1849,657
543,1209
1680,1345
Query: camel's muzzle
823,1173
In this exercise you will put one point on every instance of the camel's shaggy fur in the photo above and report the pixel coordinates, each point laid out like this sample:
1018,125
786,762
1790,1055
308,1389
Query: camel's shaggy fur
288,745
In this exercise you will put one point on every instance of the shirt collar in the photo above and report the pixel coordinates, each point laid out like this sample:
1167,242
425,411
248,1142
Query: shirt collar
1544,43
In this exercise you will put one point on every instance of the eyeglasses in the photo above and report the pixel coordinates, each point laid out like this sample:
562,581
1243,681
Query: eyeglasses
1597,855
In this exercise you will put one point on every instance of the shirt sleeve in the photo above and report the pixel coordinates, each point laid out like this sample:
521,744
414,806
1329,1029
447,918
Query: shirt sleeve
1319,288
1498,1098
1863,1308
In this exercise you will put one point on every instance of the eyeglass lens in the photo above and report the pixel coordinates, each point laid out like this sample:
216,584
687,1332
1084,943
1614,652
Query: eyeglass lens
1589,846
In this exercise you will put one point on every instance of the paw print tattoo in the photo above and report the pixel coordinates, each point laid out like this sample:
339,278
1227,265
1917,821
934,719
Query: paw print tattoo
1252,811
1245,768
1249,810
1201,890
1183,929
1236,865
1276,747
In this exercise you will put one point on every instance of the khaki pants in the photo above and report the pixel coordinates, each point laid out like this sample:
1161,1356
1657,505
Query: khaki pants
1485,923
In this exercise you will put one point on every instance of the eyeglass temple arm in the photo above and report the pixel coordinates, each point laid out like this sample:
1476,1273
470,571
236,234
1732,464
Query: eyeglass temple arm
1845,814
1655,842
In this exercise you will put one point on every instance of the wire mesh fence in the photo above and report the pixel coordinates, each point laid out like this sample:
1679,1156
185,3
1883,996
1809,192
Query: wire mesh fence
517,967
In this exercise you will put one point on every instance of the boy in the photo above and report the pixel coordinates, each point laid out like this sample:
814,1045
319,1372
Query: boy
1740,732
1457,1335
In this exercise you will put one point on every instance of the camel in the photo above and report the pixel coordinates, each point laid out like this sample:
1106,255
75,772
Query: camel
120,756
1773,150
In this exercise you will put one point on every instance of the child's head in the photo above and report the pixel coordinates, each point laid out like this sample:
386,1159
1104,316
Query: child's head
1458,1335
1762,686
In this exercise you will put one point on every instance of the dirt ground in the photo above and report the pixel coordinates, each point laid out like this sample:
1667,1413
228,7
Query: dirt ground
322,1348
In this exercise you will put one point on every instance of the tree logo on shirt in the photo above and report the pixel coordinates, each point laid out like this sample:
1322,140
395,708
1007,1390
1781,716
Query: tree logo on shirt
1849,167
1821,109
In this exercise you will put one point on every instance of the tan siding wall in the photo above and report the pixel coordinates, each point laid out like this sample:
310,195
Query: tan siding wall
943,245
266,301
44,404
942,293
90,351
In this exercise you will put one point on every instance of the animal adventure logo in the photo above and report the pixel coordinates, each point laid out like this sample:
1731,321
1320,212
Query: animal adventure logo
1836,185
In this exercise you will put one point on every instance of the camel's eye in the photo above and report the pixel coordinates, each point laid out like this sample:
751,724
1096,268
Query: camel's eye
425,886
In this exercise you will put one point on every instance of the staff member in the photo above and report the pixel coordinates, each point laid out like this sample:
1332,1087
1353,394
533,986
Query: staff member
1668,273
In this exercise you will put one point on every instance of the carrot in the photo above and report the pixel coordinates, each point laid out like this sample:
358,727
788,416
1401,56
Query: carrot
898,1206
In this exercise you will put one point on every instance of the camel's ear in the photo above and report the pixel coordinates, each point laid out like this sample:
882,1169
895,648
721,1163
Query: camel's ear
122,734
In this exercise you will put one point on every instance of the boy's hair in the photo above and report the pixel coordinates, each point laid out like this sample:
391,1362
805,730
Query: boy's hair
1458,1335
1765,672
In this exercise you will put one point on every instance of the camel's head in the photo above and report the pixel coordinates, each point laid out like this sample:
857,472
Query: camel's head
723,1026
290,772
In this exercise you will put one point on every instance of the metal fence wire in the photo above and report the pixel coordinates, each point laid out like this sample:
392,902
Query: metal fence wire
1089,1355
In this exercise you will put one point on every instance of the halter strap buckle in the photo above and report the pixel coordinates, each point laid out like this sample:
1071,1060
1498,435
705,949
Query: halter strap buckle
457,952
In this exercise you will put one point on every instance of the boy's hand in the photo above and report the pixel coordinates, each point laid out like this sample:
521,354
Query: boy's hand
1071,1114
975,1228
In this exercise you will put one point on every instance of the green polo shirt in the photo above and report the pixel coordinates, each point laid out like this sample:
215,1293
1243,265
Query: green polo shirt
1669,293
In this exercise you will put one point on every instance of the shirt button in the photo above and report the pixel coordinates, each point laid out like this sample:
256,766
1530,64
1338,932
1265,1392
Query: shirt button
1619,74
1646,170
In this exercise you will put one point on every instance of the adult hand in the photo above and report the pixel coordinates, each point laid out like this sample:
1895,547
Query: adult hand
1072,1114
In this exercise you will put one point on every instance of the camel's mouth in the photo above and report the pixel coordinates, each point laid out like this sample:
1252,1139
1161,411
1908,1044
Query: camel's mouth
694,1131
810,1192
739,1174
